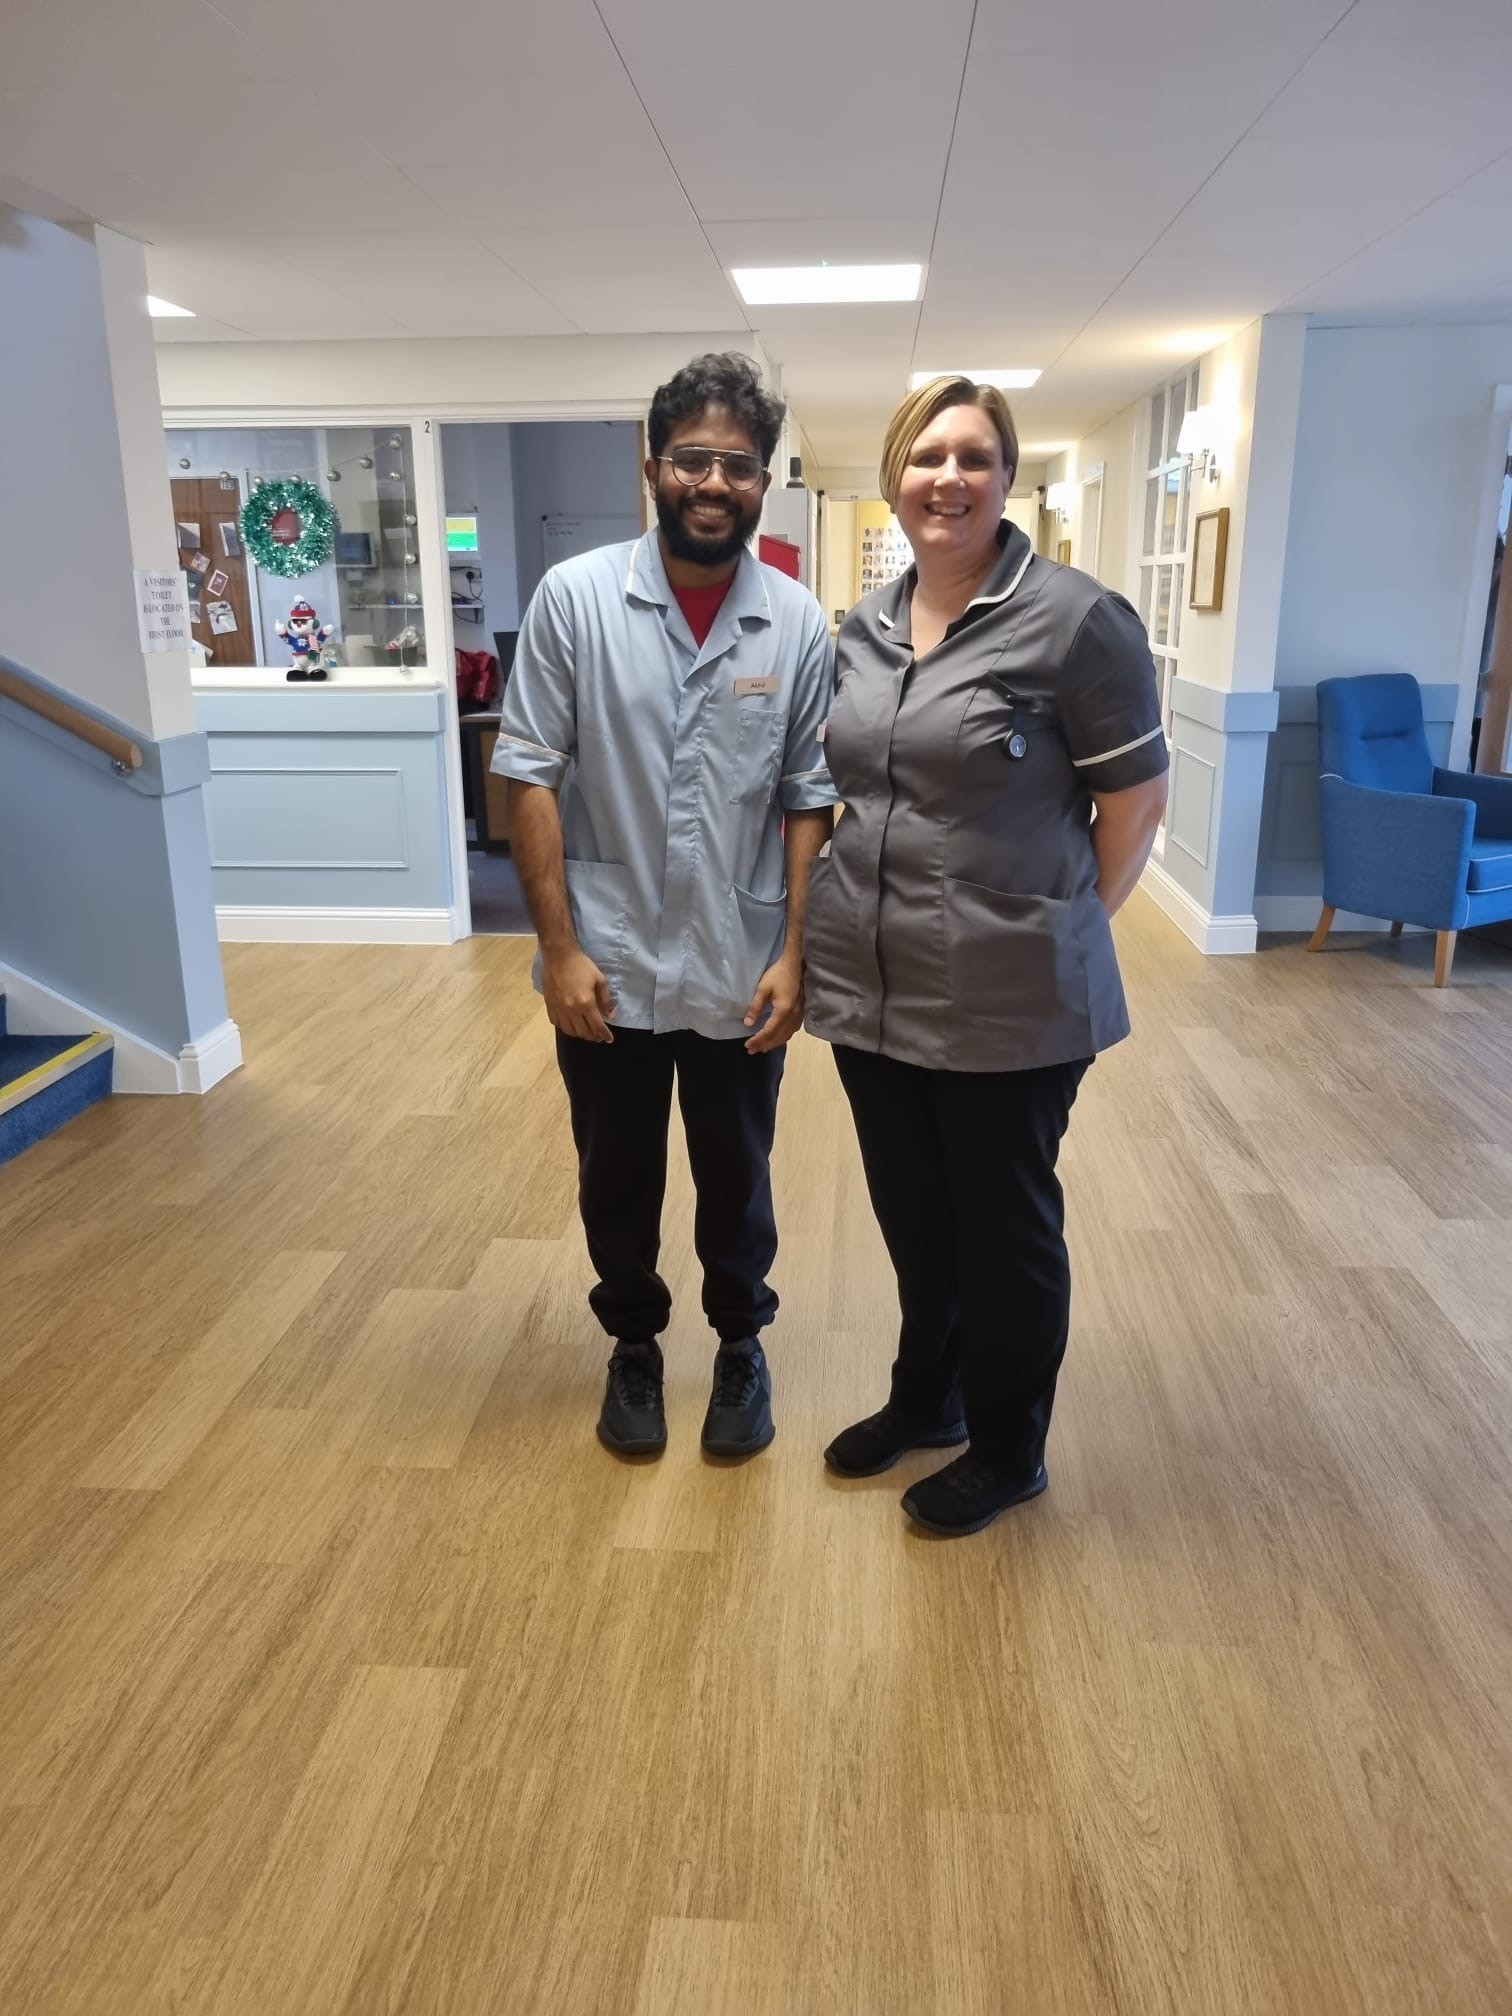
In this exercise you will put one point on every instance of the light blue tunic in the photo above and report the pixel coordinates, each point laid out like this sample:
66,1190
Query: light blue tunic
675,766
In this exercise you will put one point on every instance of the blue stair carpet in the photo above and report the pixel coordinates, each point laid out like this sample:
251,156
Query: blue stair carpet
51,1105
20,1054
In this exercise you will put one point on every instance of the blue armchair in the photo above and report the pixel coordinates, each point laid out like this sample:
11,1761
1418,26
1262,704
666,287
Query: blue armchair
1401,838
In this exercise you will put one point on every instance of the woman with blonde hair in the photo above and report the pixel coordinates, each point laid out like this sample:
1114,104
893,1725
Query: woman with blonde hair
995,737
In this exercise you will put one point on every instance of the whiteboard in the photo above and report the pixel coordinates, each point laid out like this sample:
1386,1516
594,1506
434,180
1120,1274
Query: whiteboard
564,535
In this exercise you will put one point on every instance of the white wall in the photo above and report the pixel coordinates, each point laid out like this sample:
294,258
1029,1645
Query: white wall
1025,513
1394,467
575,468
849,484
478,461
447,377
1112,445
1253,383
837,557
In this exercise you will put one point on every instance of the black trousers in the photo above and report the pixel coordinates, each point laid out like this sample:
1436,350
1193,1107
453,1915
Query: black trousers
961,1170
621,1099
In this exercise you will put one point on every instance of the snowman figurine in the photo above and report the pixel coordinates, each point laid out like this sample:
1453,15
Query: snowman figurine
305,635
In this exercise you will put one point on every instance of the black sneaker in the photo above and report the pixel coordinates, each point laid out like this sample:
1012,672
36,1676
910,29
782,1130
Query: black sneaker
966,1496
633,1420
875,1444
739,1420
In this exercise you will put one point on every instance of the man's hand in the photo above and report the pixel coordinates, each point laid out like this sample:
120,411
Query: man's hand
578,1000
780,991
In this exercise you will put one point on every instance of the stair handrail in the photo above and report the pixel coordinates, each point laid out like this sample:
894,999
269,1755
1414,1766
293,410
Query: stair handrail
123,752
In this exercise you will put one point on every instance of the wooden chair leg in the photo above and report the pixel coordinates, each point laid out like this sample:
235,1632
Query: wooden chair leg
1325,922
1444,958
1396,930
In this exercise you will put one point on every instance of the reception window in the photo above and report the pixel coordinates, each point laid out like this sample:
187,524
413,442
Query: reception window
270,520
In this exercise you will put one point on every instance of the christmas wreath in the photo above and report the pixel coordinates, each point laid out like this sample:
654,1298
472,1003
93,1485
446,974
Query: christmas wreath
288,526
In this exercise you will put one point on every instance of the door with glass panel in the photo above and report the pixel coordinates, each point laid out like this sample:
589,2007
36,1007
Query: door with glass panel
1166,526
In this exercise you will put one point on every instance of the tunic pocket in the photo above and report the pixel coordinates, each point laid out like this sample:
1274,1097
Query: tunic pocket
598,894
758,932
1018,972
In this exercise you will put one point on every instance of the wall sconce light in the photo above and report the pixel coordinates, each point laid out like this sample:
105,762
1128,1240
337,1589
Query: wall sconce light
1198,440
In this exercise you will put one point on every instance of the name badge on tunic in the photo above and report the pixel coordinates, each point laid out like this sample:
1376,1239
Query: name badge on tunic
753,685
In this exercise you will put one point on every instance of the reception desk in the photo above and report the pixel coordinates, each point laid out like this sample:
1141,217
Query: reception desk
327,806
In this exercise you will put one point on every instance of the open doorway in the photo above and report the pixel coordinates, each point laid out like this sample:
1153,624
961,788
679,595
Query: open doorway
519,496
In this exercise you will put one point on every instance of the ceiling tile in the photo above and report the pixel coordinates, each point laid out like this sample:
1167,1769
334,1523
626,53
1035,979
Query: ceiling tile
1078,27
567,129
496,196
812,241
255,289
68,44
756,57
580,250
446,283
1425,20
1339,96
1276,196
397,39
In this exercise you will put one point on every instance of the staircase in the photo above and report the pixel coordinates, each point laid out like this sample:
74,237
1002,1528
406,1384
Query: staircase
46,1080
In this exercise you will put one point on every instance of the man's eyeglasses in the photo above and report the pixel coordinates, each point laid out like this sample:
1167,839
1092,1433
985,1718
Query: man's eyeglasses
742,470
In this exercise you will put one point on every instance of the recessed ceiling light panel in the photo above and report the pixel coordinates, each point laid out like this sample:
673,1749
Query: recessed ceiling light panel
1018,380
794,286
158,307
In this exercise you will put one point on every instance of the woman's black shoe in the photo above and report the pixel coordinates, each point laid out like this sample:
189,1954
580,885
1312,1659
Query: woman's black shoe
966,1496
875,1444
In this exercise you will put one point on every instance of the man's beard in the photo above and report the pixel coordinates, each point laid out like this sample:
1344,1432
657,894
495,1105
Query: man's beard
704,549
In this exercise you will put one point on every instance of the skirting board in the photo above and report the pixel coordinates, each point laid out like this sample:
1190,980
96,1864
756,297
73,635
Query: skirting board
1300,914
310,924
1209,934
35,1010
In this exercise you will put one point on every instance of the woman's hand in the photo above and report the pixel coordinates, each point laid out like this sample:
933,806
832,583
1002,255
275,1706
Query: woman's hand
779,991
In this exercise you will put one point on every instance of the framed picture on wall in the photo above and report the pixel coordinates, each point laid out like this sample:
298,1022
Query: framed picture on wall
1209,552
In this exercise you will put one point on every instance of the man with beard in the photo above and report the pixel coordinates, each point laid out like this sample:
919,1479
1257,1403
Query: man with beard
662,736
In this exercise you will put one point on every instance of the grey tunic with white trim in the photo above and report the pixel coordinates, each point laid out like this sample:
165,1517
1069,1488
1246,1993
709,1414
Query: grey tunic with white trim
954,922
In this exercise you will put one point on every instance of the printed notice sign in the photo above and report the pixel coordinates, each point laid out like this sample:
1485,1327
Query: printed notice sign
162,611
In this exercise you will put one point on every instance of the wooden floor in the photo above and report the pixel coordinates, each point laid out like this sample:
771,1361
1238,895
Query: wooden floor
344,1672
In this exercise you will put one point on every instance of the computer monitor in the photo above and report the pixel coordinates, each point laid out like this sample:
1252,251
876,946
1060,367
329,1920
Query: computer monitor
504,649
354,549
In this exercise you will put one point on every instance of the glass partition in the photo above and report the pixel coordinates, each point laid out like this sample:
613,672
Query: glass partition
364,591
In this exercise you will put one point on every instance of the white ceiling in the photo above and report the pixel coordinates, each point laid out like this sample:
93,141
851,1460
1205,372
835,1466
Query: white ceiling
1099,187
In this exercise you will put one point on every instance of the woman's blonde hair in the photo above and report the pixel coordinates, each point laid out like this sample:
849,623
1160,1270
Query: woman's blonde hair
931,400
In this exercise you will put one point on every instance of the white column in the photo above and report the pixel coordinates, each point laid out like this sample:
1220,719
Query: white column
139,438
86,500
112,923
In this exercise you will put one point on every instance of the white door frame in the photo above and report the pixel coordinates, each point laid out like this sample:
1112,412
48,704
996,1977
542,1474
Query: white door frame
435,590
